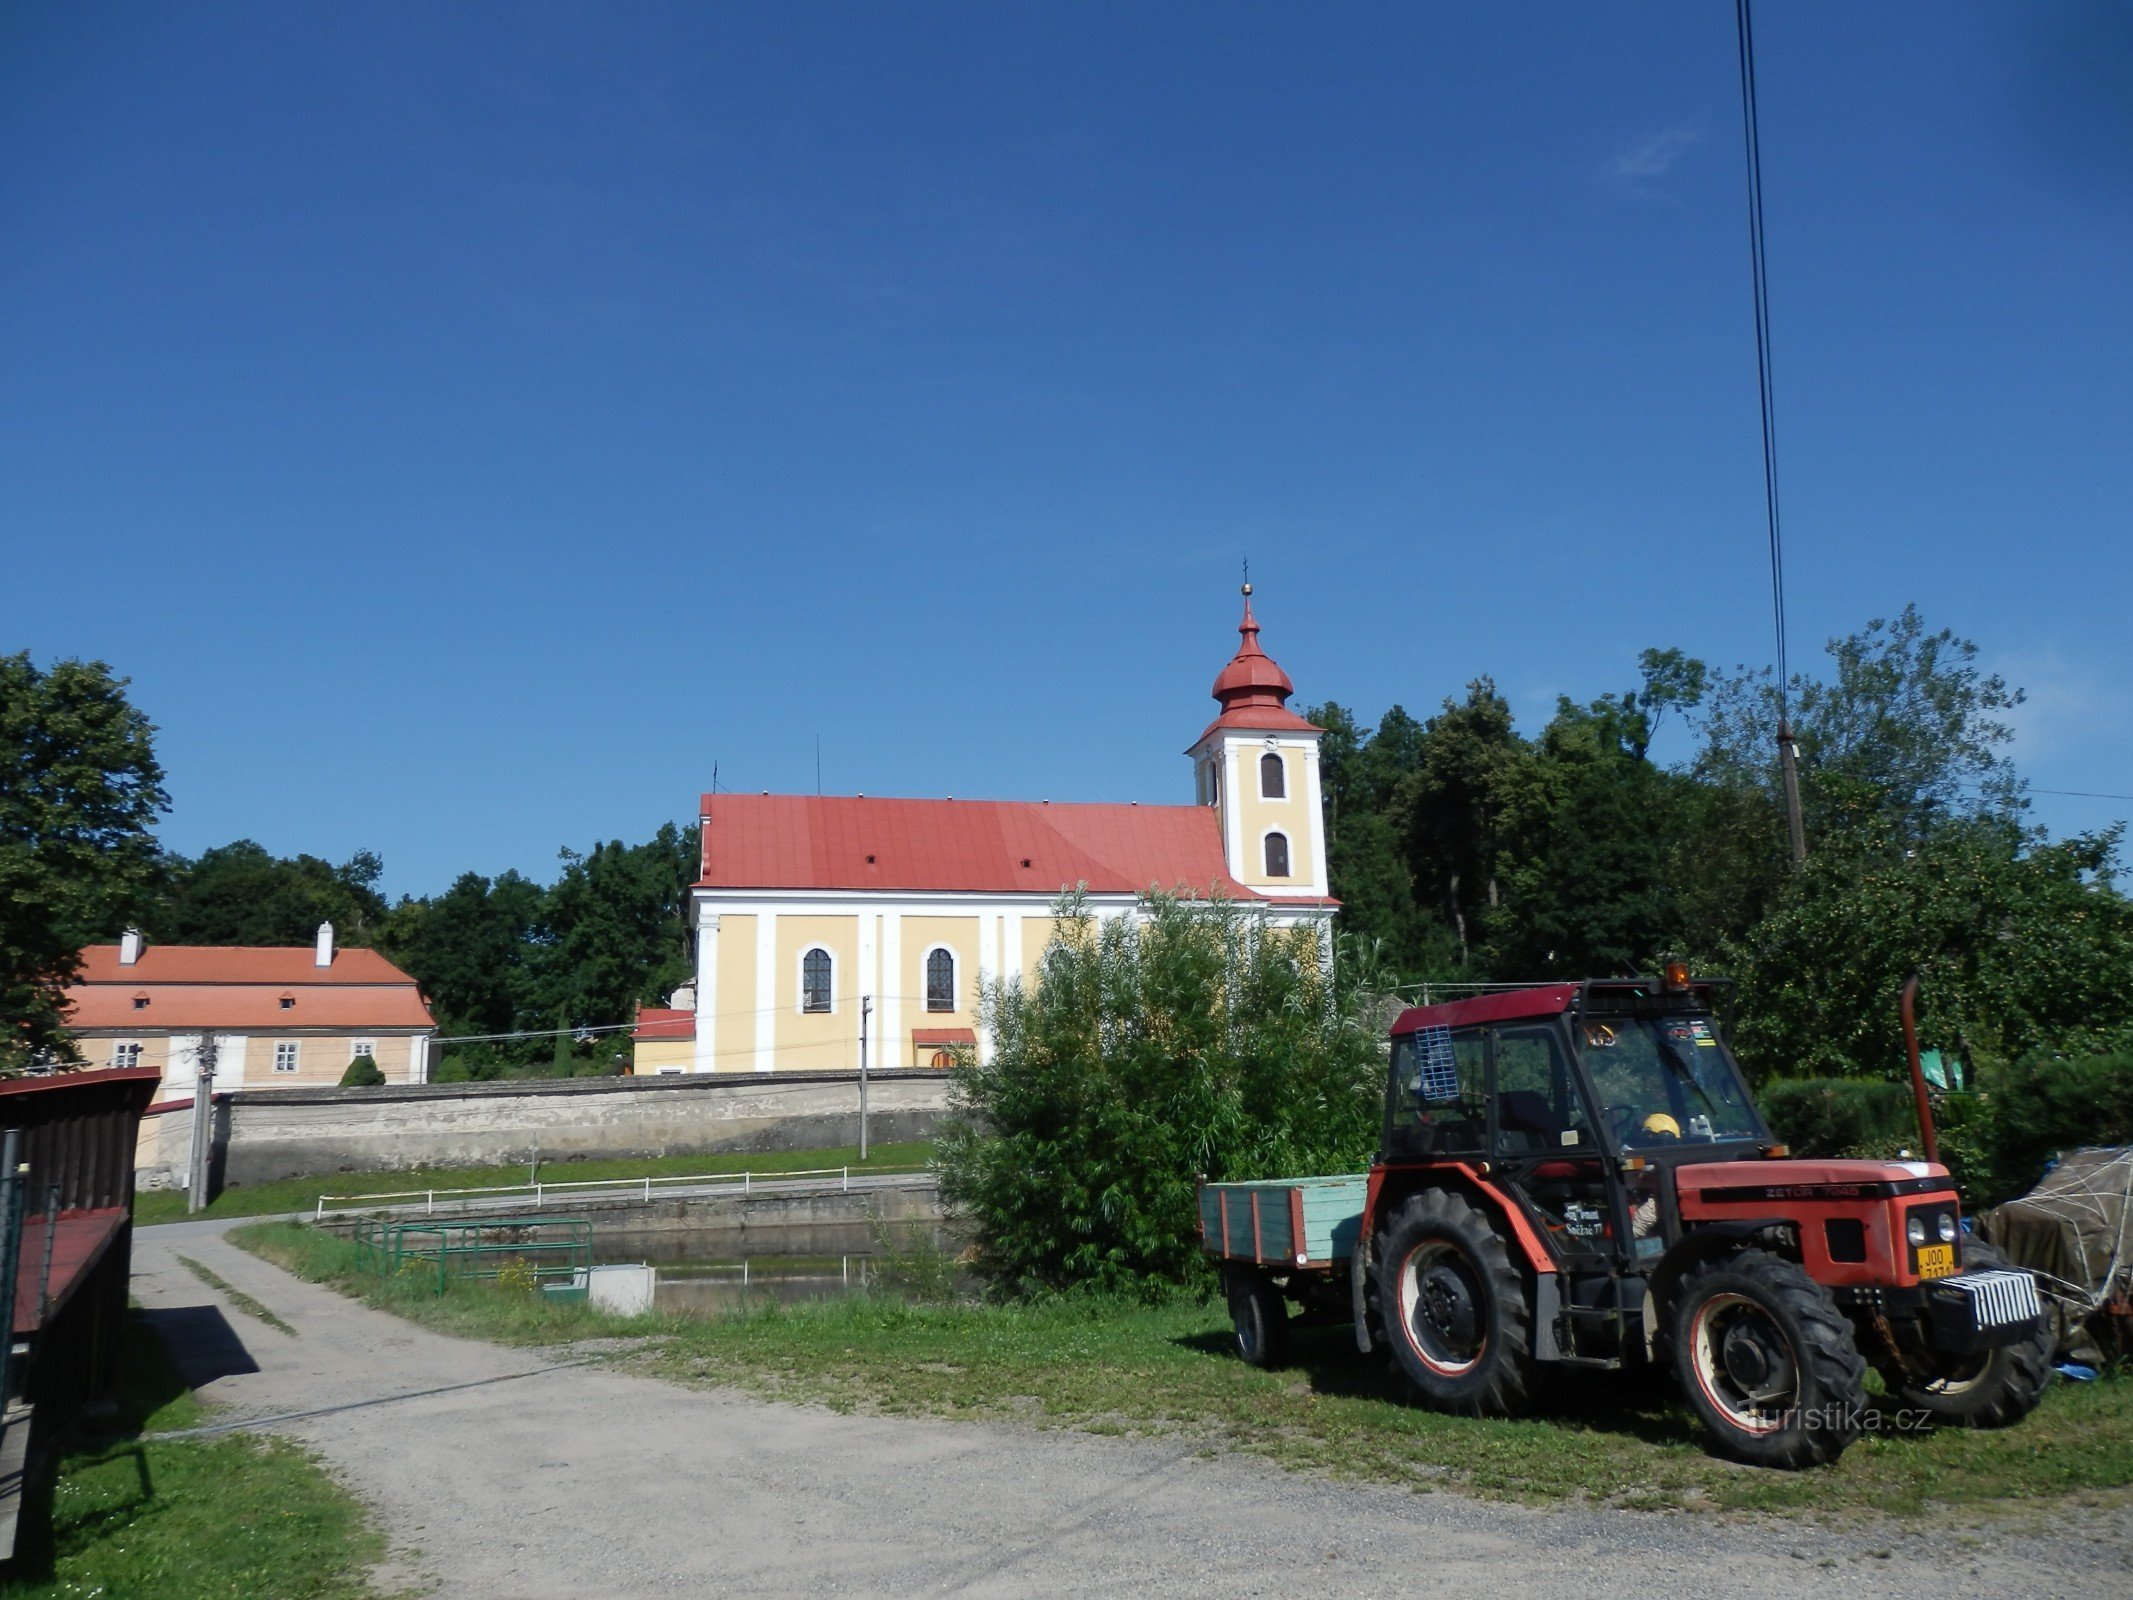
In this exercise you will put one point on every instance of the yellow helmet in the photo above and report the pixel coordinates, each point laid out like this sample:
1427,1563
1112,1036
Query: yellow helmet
1660,1123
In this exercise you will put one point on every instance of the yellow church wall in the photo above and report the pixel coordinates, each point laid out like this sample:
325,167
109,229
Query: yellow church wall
1295,816
921,934
733,1031
1037,933
820,1041
648,1056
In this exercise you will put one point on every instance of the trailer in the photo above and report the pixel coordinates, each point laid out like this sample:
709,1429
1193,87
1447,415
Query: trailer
1278,1242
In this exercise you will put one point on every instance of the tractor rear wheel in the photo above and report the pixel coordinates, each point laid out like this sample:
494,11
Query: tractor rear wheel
1767,1361
1993,1390
1258,1317
1454,1306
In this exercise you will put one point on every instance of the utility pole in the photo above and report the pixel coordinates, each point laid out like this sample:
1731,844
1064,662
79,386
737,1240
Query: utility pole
203,1124
1789,768
866,1012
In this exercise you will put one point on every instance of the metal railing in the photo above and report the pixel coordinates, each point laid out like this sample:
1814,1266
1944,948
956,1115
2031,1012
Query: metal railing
475,1247
541,1191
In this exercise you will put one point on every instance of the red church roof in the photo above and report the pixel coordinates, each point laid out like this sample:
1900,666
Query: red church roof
795,841
1253,689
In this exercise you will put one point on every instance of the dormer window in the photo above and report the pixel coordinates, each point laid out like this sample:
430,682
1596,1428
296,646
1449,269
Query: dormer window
140,1002
288,1002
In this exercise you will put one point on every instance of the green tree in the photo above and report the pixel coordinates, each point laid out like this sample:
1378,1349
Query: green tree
1907,728
1366,849
616,928
1468,759
473,949
241,894
1192,1040
2022,945
362,1073
1585,849
79,790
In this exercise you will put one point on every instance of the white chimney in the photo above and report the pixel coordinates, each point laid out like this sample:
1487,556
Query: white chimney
324,957
129,947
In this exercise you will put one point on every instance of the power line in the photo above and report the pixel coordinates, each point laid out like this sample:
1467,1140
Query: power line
1746,32
2083,794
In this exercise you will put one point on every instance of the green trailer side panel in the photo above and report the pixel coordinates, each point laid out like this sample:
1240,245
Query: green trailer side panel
1332,1217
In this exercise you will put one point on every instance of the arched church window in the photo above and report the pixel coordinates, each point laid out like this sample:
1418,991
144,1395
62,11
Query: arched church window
940,980
815,980
1277,855
1273,778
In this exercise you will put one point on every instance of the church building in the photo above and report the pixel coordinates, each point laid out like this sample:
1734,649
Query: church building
822,919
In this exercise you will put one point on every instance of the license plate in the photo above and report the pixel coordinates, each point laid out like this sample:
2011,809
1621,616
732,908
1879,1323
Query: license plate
1936,1260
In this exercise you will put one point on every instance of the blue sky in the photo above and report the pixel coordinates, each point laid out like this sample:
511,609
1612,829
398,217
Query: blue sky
466,425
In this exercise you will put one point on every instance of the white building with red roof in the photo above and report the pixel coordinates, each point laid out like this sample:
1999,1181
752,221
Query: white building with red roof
812,910
281,1016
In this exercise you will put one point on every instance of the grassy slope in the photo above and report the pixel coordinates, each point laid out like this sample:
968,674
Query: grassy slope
301,1194
1114,1368
238,1516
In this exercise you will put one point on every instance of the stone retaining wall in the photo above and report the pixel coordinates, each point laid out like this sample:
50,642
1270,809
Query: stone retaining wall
294,1133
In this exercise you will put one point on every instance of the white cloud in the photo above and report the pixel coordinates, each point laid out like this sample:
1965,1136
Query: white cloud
1637,167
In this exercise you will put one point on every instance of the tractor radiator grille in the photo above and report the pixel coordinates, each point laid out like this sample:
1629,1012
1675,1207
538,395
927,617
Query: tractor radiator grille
1997,1298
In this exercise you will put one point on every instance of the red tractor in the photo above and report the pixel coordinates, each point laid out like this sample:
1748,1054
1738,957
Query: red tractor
1576,1176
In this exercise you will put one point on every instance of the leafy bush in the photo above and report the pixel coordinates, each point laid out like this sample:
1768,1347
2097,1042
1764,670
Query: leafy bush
1841,1116
2042,1105
1996,1141
362,1073
1191,1039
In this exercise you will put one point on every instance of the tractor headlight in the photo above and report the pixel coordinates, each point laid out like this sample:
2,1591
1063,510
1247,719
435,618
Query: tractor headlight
1948,1230
1915,1229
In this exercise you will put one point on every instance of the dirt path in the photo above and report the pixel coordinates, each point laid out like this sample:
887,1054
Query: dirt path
504,1475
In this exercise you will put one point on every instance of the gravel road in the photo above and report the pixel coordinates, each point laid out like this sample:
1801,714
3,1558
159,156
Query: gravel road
511,1475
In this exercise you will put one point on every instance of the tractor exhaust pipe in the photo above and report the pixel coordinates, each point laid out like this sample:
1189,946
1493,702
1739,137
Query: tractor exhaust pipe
1908,1006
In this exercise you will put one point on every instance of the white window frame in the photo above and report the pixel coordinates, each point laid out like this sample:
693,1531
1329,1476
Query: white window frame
800,981
292,1051
1283,761
363,1047
121,1048
955,980
1288,847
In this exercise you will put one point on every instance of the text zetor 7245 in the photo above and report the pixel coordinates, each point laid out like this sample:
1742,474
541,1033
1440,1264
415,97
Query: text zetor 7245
1576,1176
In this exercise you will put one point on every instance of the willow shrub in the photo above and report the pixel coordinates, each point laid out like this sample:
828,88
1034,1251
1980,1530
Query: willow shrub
1188,1040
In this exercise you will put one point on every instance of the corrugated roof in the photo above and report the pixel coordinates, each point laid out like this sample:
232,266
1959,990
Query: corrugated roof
655,1023
790,841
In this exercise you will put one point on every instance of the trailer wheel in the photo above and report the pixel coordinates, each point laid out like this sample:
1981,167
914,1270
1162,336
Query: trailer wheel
1258,1316
1994,1390
1454,1306
1767,1361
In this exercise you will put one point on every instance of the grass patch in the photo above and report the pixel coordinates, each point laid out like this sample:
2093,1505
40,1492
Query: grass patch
286,1195
196,1517
236,1296
1113,1367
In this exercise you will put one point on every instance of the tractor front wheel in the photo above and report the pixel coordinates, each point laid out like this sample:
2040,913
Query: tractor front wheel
1454,1306
1767,1360
1995,1389
1258,1317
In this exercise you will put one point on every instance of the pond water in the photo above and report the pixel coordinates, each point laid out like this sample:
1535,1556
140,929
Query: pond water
708,1272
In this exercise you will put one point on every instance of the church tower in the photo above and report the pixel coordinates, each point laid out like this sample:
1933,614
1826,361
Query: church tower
1257,765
